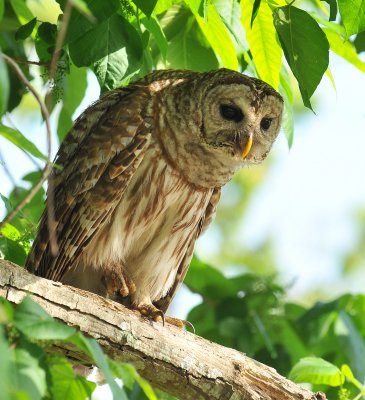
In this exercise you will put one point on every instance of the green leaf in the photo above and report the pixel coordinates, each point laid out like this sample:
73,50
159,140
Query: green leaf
92,348
129,375
345,50
22,11
47,32
19,140
146,6
82,6
359,42
35,323
186,51
255,10
25,30
114,46
285,90
346,370
153,26
5,86
264,46
65,384
1,9
73,90
6,389
317,371
353,15
6,314
352,342
305,47
80,24
11,250
333,9
27,373
218,37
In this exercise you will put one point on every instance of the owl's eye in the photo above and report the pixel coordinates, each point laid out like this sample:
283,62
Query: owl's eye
265,123
231,113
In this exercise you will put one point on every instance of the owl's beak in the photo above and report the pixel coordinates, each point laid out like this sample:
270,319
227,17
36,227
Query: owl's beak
248,146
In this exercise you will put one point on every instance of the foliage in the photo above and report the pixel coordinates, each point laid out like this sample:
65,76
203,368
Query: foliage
285,43
29,370
251,313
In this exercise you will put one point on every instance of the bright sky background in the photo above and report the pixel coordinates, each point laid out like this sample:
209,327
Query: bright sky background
308,201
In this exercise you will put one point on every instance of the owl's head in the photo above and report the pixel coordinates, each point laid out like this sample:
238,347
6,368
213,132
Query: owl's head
240,116
210,124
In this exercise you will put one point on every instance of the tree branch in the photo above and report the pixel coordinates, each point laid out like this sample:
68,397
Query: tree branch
174,360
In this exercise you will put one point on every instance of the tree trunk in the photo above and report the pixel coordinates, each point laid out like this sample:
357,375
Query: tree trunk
170,358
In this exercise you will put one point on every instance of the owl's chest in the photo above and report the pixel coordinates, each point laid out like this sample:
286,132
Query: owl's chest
154,222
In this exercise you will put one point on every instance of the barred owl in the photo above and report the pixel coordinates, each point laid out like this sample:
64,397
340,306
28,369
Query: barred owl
141,174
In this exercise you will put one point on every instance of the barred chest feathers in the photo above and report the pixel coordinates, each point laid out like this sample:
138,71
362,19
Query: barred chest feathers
149,231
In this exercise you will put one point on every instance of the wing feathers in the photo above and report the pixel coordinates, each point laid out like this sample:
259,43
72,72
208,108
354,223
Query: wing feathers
97,166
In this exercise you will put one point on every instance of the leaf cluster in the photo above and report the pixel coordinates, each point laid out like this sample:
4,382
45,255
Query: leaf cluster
31,368
251,314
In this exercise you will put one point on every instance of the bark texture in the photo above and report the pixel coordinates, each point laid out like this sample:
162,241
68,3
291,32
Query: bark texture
174,360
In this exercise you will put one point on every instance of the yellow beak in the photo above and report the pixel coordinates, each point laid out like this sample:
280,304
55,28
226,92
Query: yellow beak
248,146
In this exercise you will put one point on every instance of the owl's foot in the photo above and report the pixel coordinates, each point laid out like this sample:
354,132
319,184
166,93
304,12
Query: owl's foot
116,281
153,313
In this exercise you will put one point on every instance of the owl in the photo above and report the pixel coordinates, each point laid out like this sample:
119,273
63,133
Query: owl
138,178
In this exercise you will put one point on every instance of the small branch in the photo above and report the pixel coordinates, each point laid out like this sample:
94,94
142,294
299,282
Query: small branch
29,62
174,360
48,168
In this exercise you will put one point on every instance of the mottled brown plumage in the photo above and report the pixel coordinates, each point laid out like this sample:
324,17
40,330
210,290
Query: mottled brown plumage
141,175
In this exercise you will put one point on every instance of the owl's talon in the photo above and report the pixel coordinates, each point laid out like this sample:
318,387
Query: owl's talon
152,312
180,323
117,282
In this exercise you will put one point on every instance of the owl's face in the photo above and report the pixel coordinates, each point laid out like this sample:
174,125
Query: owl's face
241,122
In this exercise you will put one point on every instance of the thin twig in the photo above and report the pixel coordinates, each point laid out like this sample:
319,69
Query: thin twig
39,63
48,167
6,170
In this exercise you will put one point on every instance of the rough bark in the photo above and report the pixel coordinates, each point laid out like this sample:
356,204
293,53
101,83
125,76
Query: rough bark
174,360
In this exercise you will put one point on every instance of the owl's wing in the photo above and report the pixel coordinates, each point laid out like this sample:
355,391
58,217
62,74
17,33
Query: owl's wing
98,158
163,304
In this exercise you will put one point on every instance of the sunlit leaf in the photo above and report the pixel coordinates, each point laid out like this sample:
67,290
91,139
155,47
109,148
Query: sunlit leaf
317,371
25,30
353,15
305,47
218,37
344,49
19,140
262,39
22,11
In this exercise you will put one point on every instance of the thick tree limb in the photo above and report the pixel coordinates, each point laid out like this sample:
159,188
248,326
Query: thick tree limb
176,361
